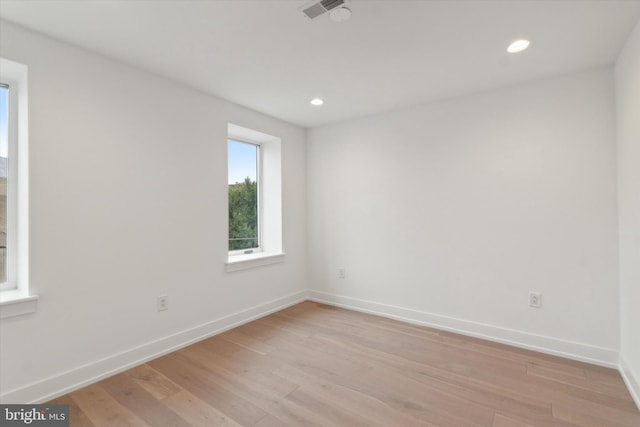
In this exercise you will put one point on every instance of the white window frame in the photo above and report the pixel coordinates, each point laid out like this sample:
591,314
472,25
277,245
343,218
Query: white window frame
269,200
258,146
15,296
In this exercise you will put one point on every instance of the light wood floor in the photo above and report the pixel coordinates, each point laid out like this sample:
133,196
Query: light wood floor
313,364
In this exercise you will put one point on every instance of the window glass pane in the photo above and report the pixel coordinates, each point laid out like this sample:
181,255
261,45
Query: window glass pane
243,196
4,168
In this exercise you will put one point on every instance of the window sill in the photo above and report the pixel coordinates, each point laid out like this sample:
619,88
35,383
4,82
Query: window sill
16,303
244,262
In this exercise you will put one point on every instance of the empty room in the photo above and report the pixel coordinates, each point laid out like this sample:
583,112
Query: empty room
320,213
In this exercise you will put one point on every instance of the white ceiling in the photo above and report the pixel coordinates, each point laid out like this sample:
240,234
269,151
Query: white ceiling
267,56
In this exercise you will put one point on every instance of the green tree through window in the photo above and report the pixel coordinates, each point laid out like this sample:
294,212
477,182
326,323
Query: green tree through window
243,215
243,196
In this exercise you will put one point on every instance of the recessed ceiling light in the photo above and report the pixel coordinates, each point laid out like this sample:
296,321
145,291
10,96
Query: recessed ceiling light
317,101
518,46
340,14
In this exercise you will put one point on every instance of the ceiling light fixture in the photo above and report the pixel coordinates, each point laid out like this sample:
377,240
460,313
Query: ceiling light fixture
340,14
518,46
317,101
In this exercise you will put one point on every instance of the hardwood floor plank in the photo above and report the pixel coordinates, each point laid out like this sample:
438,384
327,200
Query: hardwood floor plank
77,417
453,382
373,410
244,368
196,412
317,365
504,421
237,337
575,378
319,404
153,381
581,412
507,379
271,421
472,389
404,395
265,398
193,380
131,395
103,410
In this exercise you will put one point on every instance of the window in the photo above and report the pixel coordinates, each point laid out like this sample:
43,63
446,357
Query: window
244,197
255,200
14,201
4,178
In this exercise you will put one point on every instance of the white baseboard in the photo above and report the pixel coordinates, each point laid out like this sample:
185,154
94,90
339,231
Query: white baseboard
631,380
66,382
568,349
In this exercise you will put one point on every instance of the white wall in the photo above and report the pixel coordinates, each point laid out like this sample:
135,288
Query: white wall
128,202
445,214
450,213
628,126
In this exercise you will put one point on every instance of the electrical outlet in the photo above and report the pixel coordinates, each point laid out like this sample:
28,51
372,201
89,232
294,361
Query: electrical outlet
535,299
163,303
342,273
